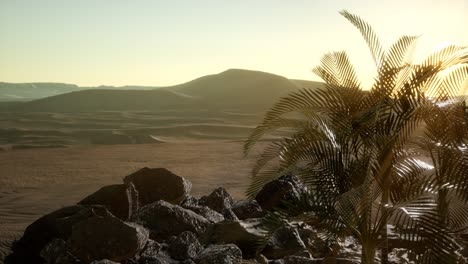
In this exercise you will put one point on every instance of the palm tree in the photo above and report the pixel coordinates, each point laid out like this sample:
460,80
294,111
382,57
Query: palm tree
360,151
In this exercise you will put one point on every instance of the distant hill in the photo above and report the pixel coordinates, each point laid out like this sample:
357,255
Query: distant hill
105,100
32,91
231,90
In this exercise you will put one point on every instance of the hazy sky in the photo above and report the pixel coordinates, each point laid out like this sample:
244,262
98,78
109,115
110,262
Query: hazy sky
151,42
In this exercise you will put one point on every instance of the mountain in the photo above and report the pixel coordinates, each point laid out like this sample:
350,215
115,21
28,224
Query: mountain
32,91
231,90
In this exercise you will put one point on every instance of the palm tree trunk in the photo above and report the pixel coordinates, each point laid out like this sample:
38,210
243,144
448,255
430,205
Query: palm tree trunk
442,205
384,231
368,253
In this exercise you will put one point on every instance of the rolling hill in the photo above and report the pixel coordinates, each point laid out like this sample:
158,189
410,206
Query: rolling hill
32,91
231,90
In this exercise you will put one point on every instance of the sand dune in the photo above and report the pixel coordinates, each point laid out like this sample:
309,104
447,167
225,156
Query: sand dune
37,181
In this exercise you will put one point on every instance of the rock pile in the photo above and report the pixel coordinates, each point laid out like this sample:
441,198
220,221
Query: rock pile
152,219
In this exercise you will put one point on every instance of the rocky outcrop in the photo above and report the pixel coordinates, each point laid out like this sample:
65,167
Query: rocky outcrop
173,227
165,220
220,254
275,193
157,184
106,237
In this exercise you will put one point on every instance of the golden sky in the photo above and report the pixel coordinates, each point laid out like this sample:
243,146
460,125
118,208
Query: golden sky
152,42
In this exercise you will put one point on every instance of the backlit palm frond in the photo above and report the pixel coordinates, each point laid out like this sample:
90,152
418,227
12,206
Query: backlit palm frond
399,54
369,36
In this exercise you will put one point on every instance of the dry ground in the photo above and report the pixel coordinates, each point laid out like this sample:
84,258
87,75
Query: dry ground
37,181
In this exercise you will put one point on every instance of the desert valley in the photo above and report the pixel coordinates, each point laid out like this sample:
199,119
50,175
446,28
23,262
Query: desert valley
60,148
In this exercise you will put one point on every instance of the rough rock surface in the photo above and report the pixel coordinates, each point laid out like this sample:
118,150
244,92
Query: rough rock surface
218,200
158,184
106,237
185,246
165,220
206,212
247,209
189,201
285,241
228,214
242,233
113,197
220,254
275,193
55,252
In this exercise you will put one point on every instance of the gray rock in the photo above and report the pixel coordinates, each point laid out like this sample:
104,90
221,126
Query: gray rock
285,241
275,193
206,212
189,201
106,237
158,184
247,209
153,248
218,200
113,197
185,246
245,234
228,214
220,254
165,220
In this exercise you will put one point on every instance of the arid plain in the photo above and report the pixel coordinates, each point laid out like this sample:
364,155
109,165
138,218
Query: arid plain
37,181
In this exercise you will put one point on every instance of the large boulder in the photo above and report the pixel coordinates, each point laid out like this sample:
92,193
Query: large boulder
247,209
165,220
219,200
158,184
284,189
113,197
106,237
185,246
244,234
220,254
285,241
56,225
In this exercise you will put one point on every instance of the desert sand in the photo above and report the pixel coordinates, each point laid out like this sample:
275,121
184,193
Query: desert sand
34,182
